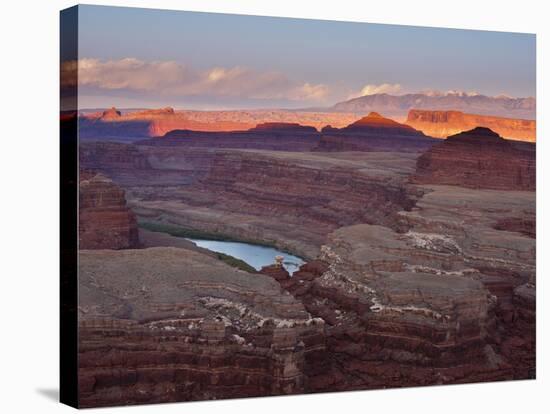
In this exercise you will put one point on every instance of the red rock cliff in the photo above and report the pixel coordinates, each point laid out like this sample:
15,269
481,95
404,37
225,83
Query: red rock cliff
478,158
105,222
441,124
373,133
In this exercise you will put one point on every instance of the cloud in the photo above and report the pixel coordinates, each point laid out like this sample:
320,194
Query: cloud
371,89
452,92
161,78
308,92
383,88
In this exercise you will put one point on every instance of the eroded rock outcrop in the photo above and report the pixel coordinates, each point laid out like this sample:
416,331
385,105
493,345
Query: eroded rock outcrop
270,136
291,200
373,133
503,259
177,325
110,114
478,158
448,298
289,127
105,221
441,124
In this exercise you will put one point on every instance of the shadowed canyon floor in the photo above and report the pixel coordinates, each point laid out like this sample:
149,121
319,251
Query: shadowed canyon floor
408,281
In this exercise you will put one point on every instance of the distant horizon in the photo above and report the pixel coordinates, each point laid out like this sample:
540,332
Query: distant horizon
211,61
328,108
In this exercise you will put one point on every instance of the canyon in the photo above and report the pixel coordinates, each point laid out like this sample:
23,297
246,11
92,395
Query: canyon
420,263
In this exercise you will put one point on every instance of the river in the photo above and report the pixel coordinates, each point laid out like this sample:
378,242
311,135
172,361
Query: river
255,255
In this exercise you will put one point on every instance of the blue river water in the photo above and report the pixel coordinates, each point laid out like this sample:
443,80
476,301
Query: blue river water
255,255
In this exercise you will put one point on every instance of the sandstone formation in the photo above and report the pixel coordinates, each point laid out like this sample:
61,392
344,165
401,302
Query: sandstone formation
283,127
112,124
478,158
441,124
105,222
373,133
168,324
250,118
399,105
272,136
110,114
446,299
376,123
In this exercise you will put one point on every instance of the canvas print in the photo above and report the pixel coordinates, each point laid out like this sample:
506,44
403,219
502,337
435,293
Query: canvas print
259,206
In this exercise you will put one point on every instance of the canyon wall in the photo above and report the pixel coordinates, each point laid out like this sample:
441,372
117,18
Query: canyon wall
105,221
168,324
442,124
270,136
292,200
478,158
415,275
448,298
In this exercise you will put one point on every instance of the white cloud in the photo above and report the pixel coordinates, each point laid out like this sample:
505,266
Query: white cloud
452,92
372,89
172,78
309,92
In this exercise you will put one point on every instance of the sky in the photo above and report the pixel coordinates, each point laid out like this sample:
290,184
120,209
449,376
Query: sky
131,57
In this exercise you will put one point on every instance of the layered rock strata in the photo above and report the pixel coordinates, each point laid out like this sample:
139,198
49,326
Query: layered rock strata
446,299
413,284
442,124
478,158
373,133
502,258
291,200
269,136
105,221
168,324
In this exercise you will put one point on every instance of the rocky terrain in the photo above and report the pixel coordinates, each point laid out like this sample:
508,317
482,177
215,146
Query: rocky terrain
442,124
168,324
420,266
478,158
105,221
448,298
373,133
291,200
399,105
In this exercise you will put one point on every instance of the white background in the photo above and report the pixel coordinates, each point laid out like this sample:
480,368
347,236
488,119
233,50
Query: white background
29,234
